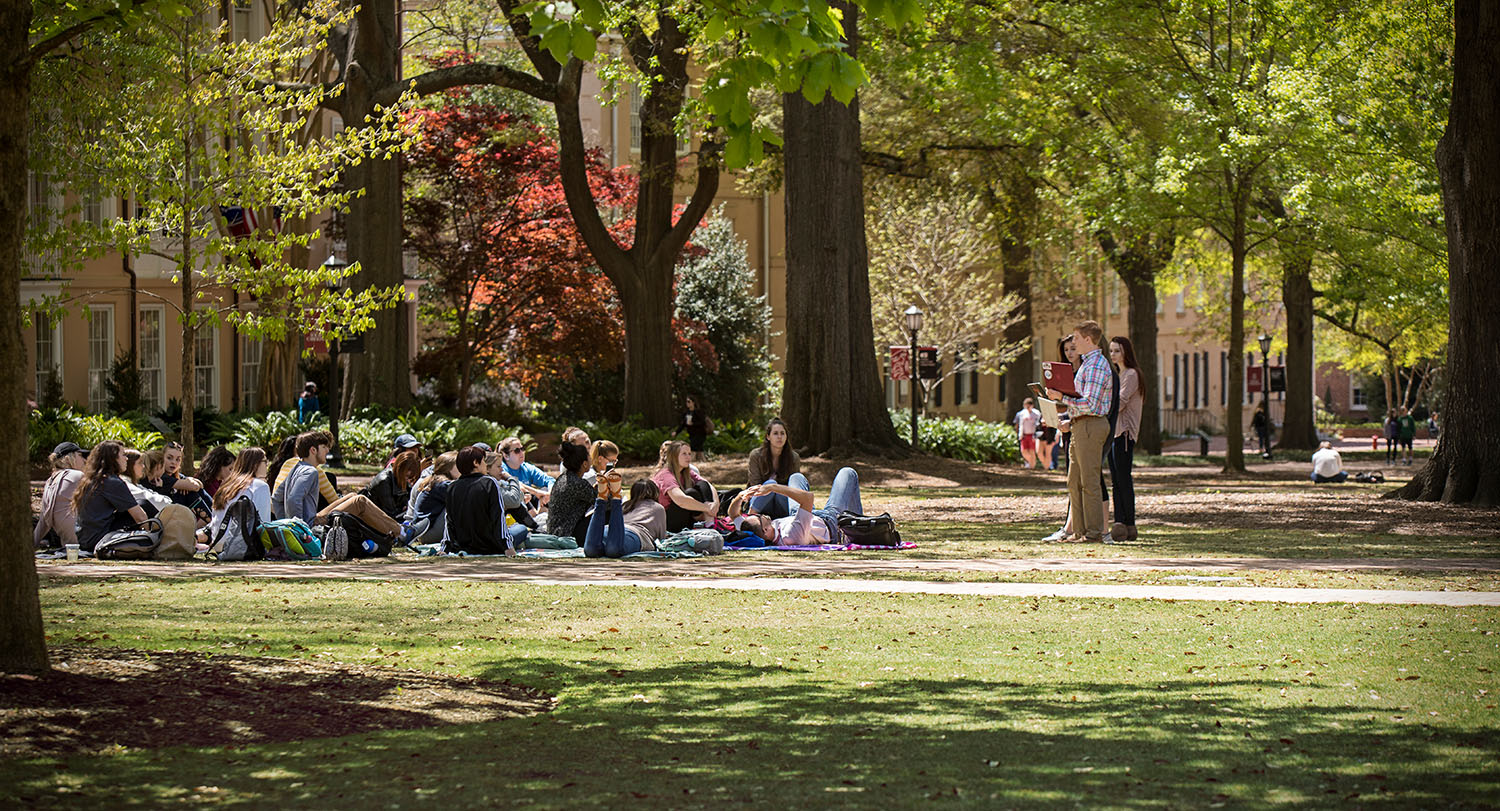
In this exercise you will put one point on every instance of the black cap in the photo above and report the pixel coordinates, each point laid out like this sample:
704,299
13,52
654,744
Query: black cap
65,448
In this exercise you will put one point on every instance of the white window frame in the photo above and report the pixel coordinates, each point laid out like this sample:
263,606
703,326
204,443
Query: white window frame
250,371
98,392
1114,296
159,372
241,20
1357,399
54,359
211,396
635,118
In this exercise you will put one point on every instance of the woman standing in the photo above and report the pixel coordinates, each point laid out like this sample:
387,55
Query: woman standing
773,463
697,424
1127,430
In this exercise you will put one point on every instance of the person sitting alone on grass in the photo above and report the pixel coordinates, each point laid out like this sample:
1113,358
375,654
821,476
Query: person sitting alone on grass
1328,466
687,496
475,515
616,530
805,526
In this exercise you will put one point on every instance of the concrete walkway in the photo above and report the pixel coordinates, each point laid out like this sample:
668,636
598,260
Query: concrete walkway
781,576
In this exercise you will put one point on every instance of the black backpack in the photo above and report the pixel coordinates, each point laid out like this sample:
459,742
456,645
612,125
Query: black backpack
237,538
136,543
358,532
869,530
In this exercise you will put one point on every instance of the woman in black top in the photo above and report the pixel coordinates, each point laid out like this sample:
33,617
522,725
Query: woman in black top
103,500
697,425
572,495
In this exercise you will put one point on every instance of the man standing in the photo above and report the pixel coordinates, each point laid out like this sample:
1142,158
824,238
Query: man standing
1407,425
1089,423
1026,423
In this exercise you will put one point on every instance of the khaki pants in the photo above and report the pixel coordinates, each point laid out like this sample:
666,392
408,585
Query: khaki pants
365,510
1085,463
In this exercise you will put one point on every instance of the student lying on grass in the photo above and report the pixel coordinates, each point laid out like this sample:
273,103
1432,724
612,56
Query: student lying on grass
805,526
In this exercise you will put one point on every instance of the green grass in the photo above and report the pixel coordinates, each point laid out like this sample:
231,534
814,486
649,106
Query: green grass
1395,580
691,699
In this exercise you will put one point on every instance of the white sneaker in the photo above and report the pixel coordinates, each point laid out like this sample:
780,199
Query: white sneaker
1108,538
1056,536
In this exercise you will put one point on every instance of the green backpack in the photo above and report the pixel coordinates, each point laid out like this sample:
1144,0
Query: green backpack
289,539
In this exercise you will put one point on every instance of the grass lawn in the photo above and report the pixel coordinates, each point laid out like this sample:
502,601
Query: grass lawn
689,699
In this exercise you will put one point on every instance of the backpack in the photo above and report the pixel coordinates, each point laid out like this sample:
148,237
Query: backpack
237,538
363,540
288,539
869,530
136,543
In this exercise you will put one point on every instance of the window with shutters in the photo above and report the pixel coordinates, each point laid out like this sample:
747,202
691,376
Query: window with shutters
101,354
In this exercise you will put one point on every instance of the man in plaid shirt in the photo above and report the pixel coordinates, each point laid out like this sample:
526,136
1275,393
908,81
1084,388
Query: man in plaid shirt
1090,428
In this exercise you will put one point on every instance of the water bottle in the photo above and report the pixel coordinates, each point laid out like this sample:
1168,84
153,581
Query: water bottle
369,546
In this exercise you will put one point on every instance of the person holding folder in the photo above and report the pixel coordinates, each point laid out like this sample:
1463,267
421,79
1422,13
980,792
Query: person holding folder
1088,413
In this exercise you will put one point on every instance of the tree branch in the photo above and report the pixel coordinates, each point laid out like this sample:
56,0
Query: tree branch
474,73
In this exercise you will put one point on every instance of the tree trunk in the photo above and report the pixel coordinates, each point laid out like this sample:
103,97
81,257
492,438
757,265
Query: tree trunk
189,388
23,646
1234,420
1138,258
373,225
832,395
1298,430
648,351
1466,466
1015,279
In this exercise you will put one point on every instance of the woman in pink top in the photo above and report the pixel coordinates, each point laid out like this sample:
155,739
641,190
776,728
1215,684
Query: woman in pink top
1127,429
688,497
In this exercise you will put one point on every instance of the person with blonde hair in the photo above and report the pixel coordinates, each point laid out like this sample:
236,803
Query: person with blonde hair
687,496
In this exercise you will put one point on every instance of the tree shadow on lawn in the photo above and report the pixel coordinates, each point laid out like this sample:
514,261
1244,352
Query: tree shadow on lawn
710,732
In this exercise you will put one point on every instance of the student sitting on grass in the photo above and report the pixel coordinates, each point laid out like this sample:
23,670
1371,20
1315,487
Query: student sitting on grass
102,500
617,530
297,494
687,496
56,525
287,458
603,454
806,526
429,504
573,435
518,512
774,463
567,513
391,487
246,476
534,483
184,490
215,467
475,516
1328,466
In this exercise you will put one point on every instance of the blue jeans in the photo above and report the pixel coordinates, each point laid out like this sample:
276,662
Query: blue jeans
843,495
775,505
614,540
1337,478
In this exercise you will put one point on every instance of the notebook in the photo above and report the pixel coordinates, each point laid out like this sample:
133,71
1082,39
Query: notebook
1059,377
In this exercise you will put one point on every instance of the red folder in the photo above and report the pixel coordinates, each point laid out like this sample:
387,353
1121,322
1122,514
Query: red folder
1059,377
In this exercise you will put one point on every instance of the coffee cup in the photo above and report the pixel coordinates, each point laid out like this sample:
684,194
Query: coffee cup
72,552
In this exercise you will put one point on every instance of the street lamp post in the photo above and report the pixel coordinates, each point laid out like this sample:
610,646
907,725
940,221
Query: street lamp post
335,456
1265,388
913,325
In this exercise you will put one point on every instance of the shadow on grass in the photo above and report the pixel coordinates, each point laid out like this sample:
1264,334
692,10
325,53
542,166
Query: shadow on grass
713,732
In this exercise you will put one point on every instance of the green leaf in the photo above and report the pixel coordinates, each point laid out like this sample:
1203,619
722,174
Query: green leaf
584,42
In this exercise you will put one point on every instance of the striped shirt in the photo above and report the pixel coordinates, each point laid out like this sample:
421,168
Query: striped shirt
1092,382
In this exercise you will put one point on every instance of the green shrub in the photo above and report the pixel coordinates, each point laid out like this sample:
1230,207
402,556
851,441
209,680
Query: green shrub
47,427
735,437
636,441
969,439
267,432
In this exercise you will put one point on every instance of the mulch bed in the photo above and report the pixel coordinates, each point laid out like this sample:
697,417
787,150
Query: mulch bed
98,699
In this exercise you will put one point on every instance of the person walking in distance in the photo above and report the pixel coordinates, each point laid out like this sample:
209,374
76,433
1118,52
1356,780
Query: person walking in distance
1027,420
1090,428
1406,432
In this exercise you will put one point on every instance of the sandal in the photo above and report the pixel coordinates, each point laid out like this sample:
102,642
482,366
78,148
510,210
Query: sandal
613,478
601,486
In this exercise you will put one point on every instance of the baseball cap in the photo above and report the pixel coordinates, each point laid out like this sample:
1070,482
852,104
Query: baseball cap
407,441
484,446
65,448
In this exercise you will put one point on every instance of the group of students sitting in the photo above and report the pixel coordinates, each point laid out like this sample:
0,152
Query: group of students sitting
475,500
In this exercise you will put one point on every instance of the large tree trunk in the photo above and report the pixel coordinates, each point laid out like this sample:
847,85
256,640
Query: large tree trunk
1466,466
1298,431
373,226
23,647
648,350
1138,260
1015,279
833,399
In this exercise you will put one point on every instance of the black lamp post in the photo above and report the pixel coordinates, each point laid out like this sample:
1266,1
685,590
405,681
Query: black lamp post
334,265
913,324
1265,387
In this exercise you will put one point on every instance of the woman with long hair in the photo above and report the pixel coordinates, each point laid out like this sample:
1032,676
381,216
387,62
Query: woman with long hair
215,467
571,494
102,501
616,530
246,476
774,462
1127,430
603,455
687,496
429,501
286,451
